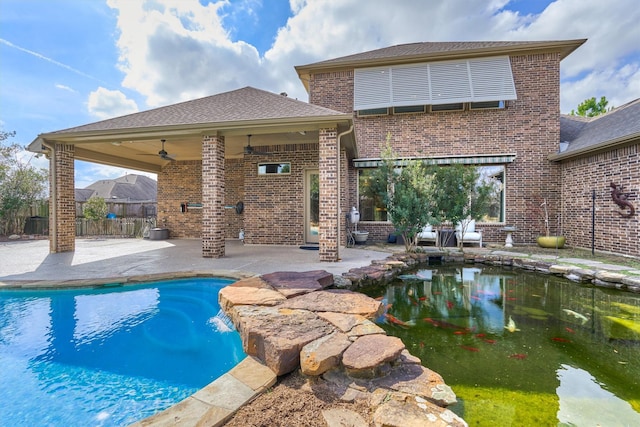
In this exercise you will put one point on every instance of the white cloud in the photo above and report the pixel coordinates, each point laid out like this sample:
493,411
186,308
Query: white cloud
64,87
174,50
104,104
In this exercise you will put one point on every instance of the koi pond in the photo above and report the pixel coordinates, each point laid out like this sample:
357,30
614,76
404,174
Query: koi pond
519,348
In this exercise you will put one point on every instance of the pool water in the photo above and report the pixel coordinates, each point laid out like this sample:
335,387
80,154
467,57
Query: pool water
110,356
520,348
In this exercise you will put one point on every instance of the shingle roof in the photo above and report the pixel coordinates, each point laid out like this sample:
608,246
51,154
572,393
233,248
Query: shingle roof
248,104
426,49
130,187
620,124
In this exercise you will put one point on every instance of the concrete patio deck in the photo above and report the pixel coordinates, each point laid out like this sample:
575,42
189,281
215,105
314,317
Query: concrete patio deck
30,260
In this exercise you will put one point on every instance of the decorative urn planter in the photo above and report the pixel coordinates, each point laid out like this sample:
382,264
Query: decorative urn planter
360,237
551,241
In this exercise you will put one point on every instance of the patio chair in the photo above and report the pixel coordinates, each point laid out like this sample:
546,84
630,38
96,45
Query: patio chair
428,234
471,235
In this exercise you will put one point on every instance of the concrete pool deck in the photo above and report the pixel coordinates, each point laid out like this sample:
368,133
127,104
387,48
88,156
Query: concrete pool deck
30,261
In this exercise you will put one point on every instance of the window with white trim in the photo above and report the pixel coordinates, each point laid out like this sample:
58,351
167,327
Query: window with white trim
372,207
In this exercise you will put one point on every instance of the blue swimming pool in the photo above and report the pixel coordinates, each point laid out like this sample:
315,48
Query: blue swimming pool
110,356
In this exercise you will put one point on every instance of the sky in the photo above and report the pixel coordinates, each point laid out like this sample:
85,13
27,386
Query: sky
65,63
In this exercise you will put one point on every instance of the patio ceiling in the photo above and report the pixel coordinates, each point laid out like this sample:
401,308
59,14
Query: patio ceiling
141,152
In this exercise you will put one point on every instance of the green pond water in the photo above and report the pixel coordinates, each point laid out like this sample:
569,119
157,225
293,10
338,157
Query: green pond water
521,349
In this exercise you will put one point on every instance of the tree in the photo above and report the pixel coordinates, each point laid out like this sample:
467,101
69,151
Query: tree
405,191
21,184
591,108
95,208
459,194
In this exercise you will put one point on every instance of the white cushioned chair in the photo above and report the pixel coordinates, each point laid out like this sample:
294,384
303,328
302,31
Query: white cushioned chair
471,235
428,234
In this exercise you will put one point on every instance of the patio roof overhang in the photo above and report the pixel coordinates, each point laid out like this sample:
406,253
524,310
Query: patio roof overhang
137,148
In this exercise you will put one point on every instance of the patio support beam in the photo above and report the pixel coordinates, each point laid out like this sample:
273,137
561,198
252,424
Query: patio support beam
328,165
62,200
213,196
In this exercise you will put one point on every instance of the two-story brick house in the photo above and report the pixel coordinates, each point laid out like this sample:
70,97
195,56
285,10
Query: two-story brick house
298,167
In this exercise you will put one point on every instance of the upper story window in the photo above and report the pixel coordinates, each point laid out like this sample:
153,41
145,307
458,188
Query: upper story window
475,80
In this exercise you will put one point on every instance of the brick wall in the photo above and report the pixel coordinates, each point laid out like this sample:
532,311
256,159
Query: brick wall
180,182
529,127
580,177
234,193
274,204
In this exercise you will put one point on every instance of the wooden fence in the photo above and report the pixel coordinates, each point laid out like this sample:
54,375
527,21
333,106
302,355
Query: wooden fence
106,227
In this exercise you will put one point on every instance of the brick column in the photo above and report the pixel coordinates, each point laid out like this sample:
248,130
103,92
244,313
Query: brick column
213,196
62,200
328,165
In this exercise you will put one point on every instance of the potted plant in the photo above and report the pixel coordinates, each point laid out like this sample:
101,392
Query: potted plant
540,209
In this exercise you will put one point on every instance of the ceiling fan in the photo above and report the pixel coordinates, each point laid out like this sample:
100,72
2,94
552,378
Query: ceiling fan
162,153
250,150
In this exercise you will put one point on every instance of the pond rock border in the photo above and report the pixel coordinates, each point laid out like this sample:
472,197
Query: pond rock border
395,264
294,320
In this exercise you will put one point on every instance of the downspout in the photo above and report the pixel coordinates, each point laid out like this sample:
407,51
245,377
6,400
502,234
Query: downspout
339,173
53,194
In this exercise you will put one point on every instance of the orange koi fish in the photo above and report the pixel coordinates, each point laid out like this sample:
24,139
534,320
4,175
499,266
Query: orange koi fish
559,339
571,331
489,341
399,322
472,349
519,356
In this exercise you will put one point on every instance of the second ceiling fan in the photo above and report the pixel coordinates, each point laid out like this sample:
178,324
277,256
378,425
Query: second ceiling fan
250,150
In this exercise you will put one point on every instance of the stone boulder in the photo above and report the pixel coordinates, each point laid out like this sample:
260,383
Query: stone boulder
336,300
323,354
292,283
415,379
367,356
406,411
276,336
353,325
230,296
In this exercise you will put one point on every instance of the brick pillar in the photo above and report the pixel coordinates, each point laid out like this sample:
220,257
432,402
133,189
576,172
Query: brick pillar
213,196
328,165
62,200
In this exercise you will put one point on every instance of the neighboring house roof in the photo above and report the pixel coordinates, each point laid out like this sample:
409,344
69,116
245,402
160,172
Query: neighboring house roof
584,135
129,188
436,51
83,194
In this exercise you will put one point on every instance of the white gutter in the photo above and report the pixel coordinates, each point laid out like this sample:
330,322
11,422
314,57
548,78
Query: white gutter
339,158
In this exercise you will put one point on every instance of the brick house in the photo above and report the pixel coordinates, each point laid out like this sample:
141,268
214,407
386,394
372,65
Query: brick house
298,167
596,152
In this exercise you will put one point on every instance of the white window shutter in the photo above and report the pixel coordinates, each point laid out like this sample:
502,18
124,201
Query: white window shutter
410,85
491,79
449,82
372,88
434,83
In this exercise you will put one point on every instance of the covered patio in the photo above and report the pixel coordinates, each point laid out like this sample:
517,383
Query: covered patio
246,160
